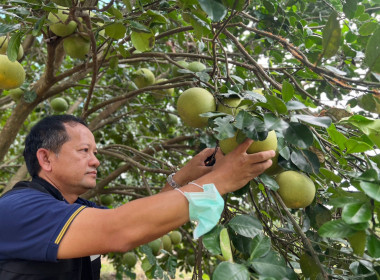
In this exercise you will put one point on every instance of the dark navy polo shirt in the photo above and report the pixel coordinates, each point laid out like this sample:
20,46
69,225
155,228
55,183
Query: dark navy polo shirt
33,223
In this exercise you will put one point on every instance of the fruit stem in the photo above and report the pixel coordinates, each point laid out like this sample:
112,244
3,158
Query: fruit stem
305,240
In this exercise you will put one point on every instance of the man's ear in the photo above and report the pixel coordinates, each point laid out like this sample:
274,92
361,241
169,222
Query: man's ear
43,156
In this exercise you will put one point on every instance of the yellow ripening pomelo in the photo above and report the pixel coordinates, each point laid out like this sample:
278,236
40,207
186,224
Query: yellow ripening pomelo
193,102
270,143
296,189
12,74
230,106
58,23
4,47
160,93
196,66
76,46
143,77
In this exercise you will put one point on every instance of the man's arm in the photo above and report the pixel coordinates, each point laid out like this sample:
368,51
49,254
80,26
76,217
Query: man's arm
96,231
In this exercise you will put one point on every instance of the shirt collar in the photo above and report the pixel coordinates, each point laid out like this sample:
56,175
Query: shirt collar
49,188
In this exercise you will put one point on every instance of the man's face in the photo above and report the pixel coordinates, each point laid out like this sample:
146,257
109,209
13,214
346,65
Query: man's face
74,168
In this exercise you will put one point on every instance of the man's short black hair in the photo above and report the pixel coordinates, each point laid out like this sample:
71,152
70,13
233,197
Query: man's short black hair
49,133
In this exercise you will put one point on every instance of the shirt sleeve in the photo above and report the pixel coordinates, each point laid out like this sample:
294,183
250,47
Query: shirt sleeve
32,224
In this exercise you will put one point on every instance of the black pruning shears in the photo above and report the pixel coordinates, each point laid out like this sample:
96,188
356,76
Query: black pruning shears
210,161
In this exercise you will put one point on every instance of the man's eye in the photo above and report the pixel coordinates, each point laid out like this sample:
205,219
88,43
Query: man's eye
85,150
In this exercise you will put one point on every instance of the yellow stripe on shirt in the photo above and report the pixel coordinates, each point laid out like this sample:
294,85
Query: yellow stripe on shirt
67,224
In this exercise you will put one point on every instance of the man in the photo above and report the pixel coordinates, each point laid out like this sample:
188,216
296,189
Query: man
48,232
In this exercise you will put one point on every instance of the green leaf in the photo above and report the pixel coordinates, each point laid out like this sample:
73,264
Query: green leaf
335,229
371,189
368,28
331,34
349,8
7,28
142,41
230,271
354,146
38,26
355,213
318,121
214,9
274,123
246,225
211,240
373,246
295,105
224,128
368,126
318,215
330,175
337,137
269,6
272,265
138,27
299,135
14,45
157,17
306,161
287,91
269,182
372,52
260,246
277,104
115,30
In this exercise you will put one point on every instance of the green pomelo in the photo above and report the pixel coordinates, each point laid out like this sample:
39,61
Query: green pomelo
162,92
76,46
12,74
16,94
167,242
308,266
196,66
106,199
156,246
184,64
193,102
176,237
58,23
59,104
274,168
143,77
270,143
172,119
129,259
296,189
358,241
230,106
